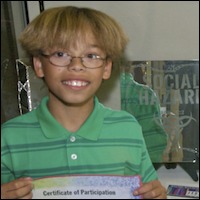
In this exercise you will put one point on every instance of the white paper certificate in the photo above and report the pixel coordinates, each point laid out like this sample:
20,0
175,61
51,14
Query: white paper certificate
86,187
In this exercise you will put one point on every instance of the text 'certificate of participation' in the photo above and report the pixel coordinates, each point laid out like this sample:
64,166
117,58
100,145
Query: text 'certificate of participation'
86,187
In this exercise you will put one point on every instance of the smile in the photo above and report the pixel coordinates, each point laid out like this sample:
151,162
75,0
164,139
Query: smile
75,83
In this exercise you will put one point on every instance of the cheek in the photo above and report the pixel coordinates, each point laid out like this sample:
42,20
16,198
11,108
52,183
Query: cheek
52,77
98,78
50,72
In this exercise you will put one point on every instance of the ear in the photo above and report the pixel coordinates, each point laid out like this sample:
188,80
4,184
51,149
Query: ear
107,70
38,67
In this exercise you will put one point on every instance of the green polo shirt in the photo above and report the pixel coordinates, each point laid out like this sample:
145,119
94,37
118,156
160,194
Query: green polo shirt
109,142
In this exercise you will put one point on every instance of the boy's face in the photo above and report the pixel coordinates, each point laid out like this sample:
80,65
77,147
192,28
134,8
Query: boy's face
73,84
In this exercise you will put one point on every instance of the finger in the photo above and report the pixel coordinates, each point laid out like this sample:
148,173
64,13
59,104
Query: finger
144,188
150,190
152,194
18,183
156,193
28,196
18,192
163,194
25,191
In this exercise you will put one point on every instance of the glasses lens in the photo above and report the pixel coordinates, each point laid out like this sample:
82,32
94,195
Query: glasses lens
92,63
62,61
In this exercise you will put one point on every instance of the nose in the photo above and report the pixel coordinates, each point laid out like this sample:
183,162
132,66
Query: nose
76,64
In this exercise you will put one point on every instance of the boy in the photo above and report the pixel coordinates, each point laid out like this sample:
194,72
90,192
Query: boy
71,132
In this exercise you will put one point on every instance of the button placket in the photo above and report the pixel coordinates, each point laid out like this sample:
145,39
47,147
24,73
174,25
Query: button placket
73,155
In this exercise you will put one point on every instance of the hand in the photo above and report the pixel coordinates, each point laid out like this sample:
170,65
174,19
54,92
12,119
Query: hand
18,189
152,190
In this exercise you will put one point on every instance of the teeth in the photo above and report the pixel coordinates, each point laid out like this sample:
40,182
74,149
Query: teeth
75,83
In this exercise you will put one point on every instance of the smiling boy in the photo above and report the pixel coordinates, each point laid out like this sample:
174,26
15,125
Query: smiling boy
71,132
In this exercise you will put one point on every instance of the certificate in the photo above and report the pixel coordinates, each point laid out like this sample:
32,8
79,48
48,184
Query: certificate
86,187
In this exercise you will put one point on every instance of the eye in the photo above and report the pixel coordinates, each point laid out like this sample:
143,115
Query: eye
60,54
93,56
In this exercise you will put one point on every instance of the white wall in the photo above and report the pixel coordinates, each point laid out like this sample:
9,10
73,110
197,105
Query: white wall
158,30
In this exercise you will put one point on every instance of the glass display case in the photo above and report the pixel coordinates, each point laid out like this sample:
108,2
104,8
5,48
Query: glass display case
164,98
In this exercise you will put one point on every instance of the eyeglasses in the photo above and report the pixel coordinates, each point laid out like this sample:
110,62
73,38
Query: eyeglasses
62,59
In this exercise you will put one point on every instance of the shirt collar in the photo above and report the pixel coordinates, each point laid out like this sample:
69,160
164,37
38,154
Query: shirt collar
52,129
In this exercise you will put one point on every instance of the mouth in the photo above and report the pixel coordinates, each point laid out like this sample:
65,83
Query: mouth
75,83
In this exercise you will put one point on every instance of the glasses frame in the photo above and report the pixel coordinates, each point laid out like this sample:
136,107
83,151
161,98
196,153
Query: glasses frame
71,58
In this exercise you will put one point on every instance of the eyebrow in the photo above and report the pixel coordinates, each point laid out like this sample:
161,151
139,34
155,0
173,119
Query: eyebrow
93,46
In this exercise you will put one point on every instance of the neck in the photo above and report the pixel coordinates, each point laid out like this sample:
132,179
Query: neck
70,116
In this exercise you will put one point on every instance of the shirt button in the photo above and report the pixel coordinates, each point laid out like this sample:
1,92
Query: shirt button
73,156
72,139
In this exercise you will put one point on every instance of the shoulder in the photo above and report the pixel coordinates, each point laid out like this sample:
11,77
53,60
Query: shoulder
26,120
21,118
119,117
121,125
21,122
